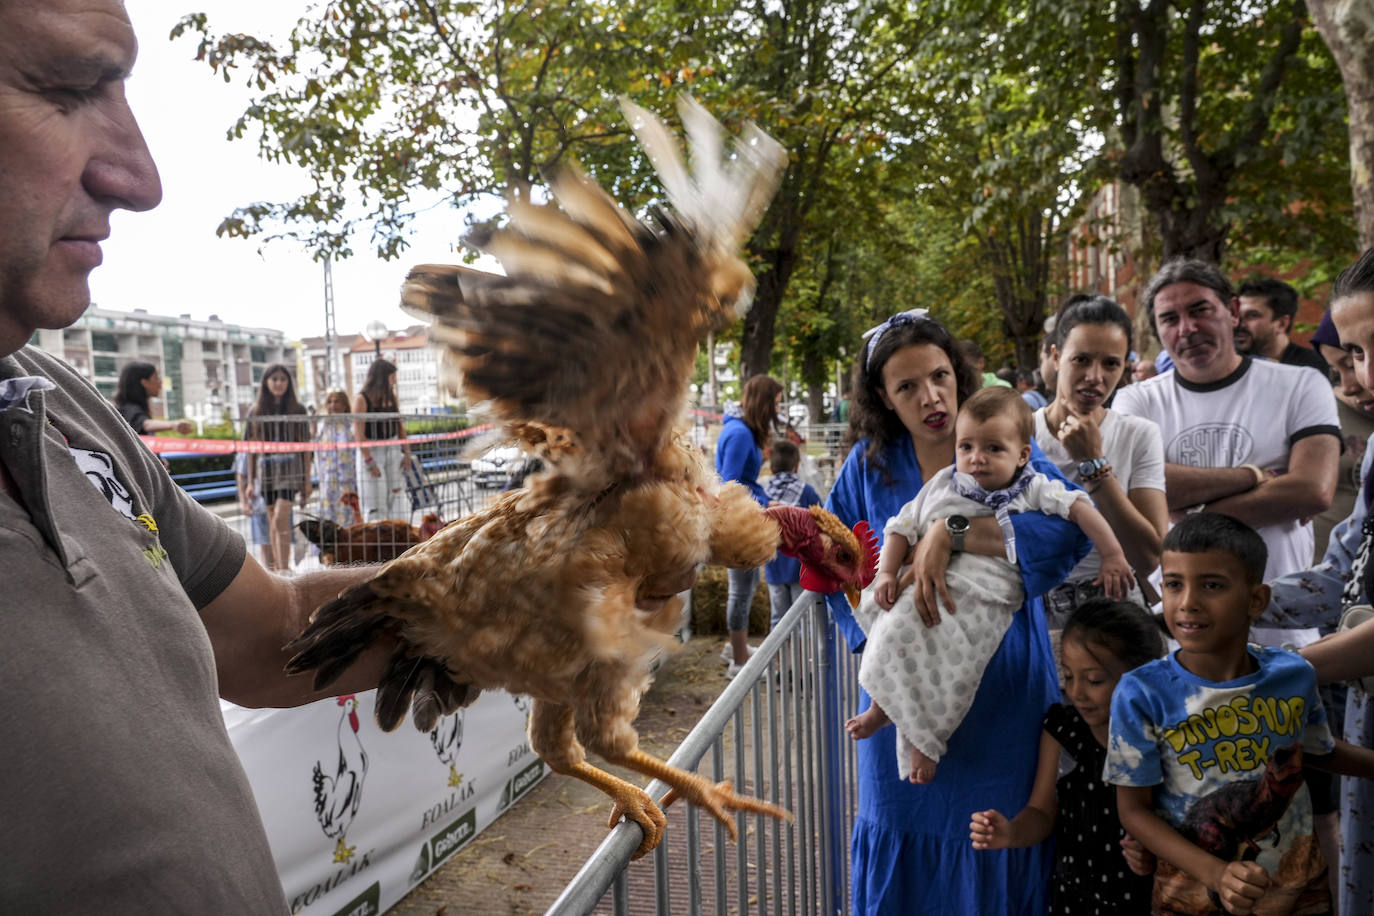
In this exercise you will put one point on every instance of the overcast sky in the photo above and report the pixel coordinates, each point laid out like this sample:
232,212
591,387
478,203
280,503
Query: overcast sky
169,260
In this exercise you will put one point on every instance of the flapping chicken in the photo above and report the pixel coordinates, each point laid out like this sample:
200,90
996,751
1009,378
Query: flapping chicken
562,589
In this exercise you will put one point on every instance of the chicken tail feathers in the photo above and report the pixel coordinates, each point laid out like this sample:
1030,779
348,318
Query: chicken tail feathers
337,635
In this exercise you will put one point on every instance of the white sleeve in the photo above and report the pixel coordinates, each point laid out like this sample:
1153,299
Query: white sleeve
1050,496
1313,407
1147,456
907,521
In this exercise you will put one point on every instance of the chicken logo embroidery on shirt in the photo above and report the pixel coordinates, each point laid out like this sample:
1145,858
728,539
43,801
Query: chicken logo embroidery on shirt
339,792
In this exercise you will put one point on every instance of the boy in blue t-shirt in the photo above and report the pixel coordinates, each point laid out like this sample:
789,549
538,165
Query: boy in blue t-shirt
1207,745
783,573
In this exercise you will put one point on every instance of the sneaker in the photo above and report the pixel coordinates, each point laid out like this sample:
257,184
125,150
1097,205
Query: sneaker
727,654
732,669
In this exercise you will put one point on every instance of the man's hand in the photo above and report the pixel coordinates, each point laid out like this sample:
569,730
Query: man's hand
306,490
989,830
1241,886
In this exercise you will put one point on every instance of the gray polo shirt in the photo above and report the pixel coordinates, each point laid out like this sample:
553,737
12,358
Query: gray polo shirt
119,789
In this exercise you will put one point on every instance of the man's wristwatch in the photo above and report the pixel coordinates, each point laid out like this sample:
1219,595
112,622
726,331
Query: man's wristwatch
1089,469
957,526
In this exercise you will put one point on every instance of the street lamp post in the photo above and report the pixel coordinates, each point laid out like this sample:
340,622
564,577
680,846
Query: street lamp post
375,332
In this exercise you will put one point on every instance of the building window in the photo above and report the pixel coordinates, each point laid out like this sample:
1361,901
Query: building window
106,365
258,354
106,342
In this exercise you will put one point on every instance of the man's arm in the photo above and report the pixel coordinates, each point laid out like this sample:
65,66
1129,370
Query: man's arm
1238,884
1306,490
1186,486
258,614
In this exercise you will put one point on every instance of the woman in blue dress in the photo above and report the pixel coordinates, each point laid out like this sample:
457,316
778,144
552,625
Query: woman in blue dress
910,851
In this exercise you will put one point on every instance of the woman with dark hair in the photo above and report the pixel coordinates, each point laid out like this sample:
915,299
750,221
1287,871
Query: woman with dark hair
381,476
1117,458
1344,581
138,382
278,416
739,457
910,851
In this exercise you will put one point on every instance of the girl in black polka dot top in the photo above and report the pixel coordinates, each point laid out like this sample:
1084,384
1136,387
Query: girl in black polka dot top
1098,870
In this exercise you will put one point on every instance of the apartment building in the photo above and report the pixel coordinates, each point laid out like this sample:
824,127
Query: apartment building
210,368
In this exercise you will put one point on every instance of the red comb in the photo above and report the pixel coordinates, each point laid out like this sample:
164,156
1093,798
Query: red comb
868,541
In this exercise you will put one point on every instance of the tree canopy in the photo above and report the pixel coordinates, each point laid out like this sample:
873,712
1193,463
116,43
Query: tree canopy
942,151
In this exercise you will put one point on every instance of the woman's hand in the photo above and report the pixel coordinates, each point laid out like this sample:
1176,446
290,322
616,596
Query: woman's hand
371,465
1080,436
1116,576
185,427
1138,859
926,576
989,830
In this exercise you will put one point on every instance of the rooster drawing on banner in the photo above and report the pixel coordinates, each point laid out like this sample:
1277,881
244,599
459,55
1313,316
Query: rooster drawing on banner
338,796
447,739
565,588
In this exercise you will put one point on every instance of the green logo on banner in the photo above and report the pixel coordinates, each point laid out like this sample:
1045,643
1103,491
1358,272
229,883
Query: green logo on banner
368,903
523,781
452,838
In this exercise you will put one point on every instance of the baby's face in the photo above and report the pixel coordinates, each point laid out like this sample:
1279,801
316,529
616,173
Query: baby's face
990,451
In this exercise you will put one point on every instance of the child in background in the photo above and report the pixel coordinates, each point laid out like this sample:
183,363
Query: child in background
783,573
1207,745
1102,640
991,476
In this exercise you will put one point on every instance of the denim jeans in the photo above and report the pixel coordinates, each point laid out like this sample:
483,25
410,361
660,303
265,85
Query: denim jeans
743,584
783,597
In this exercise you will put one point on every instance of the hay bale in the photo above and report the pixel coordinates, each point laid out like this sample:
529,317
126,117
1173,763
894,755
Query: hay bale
708,603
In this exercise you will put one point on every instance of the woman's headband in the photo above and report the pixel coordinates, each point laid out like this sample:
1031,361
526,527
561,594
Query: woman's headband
875,334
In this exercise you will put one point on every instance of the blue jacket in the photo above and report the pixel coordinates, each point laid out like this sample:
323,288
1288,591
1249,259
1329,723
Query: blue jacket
738,458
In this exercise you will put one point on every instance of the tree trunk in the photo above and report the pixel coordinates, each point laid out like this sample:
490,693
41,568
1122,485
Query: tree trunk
1349,39
756,343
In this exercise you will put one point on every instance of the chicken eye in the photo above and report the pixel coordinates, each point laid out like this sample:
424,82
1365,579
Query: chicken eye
844,556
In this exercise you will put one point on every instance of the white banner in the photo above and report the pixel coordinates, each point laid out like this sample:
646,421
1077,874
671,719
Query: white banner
357,817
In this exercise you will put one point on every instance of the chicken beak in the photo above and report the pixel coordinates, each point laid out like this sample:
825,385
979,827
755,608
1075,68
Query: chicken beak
852,594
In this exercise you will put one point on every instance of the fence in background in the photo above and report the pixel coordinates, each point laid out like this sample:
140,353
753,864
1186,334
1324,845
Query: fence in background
444,479
776,731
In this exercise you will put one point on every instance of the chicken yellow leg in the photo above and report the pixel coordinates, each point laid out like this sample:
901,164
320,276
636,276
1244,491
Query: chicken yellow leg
630,801
717,798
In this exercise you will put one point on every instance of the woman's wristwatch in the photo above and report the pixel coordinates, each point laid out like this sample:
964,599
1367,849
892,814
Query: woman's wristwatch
957,526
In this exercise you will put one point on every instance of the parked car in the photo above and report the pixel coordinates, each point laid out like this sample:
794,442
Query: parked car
497,466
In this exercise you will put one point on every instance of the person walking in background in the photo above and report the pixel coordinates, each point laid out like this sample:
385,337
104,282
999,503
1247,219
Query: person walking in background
279,477
337,463
783,573
381,480
255,509
139,382
739,457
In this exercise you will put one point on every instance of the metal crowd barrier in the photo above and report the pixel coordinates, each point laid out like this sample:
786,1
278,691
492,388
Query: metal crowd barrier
777,732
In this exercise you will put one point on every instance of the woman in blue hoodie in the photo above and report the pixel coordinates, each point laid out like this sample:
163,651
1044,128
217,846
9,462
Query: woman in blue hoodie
739,457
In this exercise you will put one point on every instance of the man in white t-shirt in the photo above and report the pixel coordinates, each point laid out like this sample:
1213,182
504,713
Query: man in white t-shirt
1254,439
